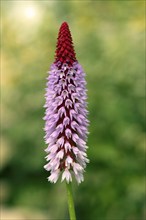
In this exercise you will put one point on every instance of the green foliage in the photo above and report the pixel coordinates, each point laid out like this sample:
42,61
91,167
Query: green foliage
109,42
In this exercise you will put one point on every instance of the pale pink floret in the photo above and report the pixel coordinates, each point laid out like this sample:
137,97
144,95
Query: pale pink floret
64,94
68,133
60,141
68,161
67,146
66,121
54,176
77,168
60,154
66,175
68,103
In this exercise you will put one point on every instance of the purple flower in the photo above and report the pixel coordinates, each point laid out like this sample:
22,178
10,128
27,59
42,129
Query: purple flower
66,114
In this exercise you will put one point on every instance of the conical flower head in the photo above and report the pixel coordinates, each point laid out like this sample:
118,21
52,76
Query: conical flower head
65,51
66,114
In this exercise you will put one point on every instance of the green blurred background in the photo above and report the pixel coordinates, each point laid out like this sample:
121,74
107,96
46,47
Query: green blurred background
109,43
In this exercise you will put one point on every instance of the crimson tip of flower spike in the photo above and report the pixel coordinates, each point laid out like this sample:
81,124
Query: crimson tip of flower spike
64,24
65,50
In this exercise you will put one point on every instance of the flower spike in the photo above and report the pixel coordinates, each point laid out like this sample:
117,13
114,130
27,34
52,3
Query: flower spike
66,114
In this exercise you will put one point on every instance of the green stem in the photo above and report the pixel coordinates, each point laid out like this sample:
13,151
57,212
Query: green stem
70,202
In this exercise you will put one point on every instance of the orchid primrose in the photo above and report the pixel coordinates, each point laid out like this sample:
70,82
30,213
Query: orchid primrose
66,123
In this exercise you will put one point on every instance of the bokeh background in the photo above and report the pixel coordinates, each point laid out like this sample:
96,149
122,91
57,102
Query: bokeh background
109,42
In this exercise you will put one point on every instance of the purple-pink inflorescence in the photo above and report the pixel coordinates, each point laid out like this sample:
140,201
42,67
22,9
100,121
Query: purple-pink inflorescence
66,114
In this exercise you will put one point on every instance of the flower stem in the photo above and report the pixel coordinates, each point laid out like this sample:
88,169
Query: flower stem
70,202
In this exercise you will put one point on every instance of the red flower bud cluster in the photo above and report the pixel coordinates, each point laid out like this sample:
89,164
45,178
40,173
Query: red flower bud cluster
65,50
